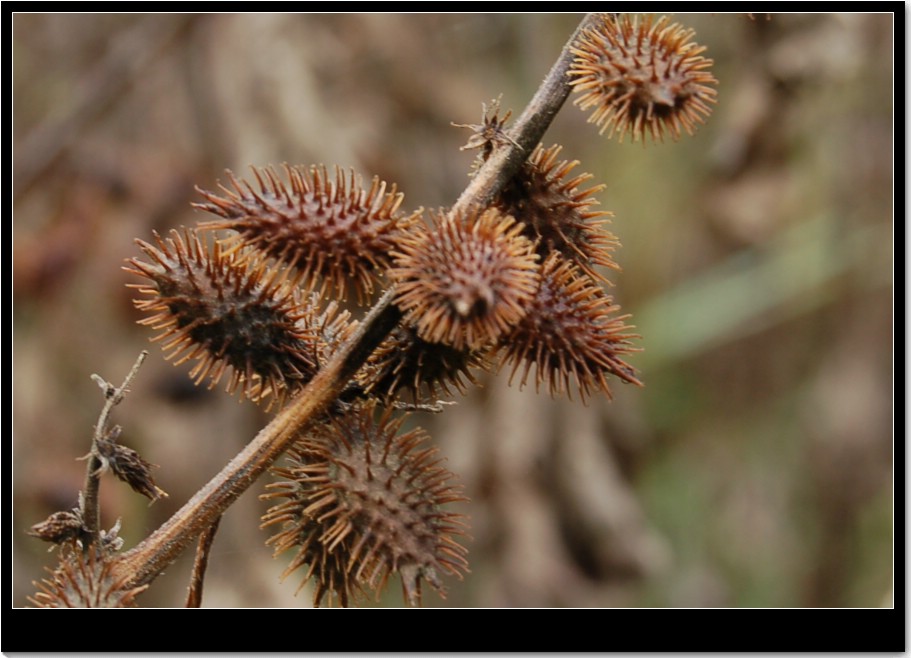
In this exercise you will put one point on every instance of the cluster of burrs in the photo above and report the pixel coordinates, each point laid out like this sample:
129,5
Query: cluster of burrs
254,300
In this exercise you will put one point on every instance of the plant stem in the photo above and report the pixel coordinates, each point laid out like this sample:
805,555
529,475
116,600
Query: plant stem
112,397
194,593
144,562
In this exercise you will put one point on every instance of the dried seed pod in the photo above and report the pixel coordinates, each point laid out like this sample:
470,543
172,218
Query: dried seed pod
60,527
557,213
333,231
570,334
642,78
373,501
85,580
465,281
128,465
406,362
225,311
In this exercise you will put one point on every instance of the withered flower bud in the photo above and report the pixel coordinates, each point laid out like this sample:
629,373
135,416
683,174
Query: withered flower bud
60,527
128,466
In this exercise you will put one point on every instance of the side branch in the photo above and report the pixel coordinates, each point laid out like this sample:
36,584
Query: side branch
112,397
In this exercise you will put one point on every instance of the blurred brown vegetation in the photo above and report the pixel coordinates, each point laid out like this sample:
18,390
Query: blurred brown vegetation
755,468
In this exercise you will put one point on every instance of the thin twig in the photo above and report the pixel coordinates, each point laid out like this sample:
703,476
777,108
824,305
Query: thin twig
112,397
194,592
144,562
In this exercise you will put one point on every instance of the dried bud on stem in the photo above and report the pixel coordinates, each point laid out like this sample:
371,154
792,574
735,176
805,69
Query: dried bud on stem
488,134
128,466
60,527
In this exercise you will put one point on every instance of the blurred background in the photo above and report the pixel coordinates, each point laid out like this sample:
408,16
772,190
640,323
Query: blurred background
754,469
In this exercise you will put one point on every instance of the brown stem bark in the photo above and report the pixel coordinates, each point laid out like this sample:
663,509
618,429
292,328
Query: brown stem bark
194,592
